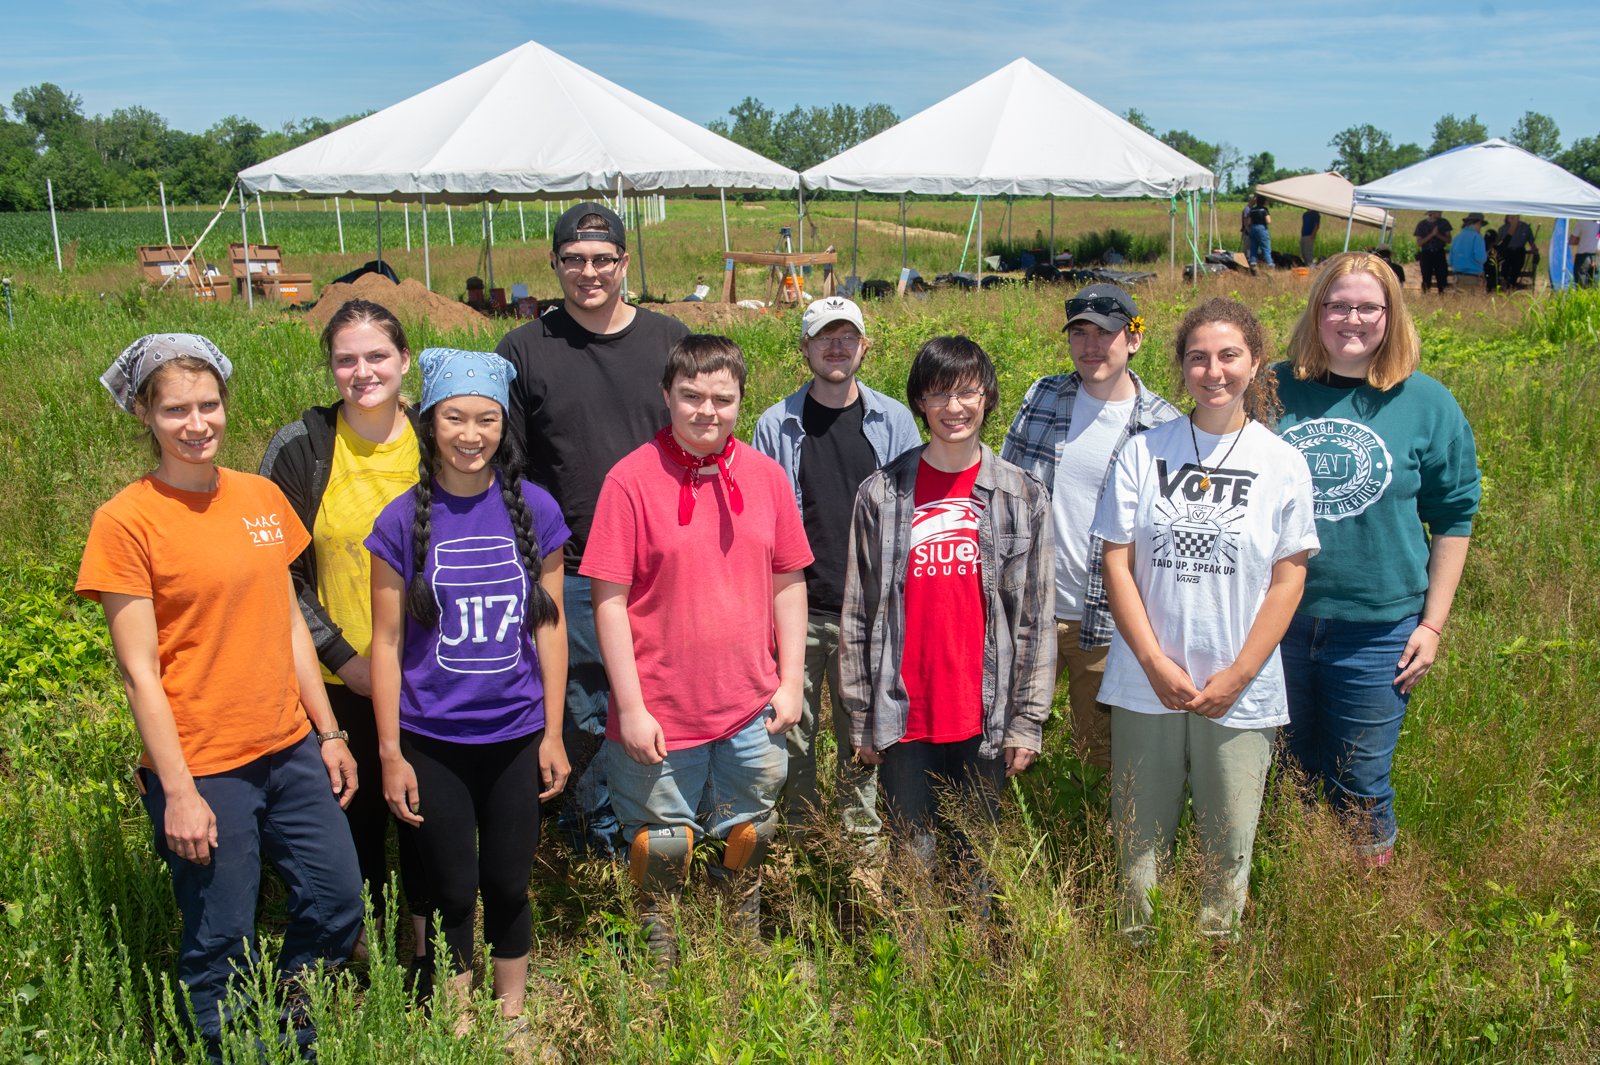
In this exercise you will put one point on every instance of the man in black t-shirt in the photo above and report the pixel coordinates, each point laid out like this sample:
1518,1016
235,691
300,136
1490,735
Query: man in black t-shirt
1433,235
829,436
588,391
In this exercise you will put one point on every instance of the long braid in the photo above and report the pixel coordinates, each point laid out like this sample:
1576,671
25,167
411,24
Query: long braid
420,603
542,609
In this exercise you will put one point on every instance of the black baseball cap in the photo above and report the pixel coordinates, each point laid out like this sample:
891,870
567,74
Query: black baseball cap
1107,306
567,229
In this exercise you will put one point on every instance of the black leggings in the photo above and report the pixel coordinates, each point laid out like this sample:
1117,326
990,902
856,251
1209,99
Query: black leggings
480,826
368,814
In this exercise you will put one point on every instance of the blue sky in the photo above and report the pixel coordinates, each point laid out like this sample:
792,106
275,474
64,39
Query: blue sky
1284,80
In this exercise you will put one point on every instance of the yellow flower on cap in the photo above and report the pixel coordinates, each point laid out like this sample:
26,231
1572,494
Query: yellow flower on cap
1136,326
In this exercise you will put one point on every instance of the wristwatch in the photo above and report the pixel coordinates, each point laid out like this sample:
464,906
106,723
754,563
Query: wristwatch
336,734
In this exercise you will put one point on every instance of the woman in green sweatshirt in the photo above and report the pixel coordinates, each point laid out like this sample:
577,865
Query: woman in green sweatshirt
1395,486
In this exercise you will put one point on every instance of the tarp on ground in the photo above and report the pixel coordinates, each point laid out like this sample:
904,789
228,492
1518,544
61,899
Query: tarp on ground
1494,177
1020,131
1329,193
529,124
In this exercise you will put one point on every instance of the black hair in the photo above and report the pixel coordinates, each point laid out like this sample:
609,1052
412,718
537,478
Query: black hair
506,462
700,353
944,363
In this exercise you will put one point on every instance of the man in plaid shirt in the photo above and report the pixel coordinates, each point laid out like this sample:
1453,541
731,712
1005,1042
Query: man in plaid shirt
1068,434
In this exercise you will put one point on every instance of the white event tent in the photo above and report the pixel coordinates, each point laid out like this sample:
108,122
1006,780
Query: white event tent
1330,193
526,125
1492,177
1018,132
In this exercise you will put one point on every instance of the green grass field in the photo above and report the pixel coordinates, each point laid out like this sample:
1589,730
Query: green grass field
1475,947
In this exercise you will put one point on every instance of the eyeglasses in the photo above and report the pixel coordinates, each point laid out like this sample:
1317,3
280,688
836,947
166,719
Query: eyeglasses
1366,312
574,264
1097,304
846,341
967,397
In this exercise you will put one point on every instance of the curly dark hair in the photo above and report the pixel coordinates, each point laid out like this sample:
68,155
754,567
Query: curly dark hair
1261,398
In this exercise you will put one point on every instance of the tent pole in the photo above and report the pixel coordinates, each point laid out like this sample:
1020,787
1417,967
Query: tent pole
522,220
1172,239
1052,230
377,213
547,220
261,219
800,217
244,231
450,221
406,208
1349,224
638,238
165,221
722,195
855,235
487,243
1011,200
338,218
905,259
980,243
427,261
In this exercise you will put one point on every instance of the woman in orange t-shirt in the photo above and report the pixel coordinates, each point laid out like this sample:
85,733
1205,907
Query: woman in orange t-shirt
191,563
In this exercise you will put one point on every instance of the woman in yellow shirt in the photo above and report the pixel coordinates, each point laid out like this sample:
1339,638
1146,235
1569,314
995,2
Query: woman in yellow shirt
339,466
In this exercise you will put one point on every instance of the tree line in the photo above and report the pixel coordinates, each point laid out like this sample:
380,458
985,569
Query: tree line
122,157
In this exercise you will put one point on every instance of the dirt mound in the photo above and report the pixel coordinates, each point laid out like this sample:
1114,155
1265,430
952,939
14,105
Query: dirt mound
699,315
409,300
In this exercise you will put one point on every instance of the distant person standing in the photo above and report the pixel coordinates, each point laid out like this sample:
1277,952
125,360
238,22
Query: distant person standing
1310,223
1433,249
829,436
1259,248
1516,239
587,392
1585,243
1068,433
1468,252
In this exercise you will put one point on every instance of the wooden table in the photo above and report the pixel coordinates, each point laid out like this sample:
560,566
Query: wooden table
788,262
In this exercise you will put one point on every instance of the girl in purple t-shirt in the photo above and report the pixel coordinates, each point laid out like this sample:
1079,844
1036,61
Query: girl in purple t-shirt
469,664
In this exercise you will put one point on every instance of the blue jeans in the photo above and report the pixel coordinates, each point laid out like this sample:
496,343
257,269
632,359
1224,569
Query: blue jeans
278,807
709,788
1260,249
586,818
1345,714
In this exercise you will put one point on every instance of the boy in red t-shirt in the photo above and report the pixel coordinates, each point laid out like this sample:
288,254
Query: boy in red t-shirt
947,649
697,557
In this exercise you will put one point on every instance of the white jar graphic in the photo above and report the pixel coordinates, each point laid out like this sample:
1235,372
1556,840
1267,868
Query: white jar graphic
481,589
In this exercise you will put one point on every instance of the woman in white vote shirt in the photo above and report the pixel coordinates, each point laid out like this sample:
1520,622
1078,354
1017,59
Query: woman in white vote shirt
1207,523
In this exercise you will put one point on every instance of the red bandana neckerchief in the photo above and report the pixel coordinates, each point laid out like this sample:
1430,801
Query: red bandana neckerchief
692,465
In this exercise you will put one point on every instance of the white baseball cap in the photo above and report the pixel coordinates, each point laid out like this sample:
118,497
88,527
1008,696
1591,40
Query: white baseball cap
826,311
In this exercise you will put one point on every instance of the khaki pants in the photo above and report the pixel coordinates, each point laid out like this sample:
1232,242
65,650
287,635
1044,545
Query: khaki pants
855,785
1091,721
1225,770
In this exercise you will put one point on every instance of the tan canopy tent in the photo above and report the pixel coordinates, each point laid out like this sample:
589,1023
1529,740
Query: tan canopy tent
1329,193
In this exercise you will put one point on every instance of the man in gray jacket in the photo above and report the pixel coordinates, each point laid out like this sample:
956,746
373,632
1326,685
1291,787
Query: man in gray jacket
829,436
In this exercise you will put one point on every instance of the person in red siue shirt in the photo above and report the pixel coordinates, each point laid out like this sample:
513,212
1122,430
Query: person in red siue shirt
697,556
948,644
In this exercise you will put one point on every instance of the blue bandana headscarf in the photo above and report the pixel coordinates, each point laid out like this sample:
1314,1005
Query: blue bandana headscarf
448,372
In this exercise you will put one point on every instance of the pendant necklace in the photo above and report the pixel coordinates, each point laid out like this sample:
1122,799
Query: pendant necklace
1205,474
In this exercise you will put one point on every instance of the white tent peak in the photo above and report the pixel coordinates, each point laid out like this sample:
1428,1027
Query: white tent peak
1020,131
527,124
1493,177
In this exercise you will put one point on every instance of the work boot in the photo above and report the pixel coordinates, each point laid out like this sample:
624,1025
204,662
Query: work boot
741,890
658,914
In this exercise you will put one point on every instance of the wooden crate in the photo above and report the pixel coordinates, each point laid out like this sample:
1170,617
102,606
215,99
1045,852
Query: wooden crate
290,288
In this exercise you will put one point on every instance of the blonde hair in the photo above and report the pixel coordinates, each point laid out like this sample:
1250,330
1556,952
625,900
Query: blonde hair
1400,352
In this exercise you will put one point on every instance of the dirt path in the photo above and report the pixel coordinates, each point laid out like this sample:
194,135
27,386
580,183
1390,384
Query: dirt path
894,227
